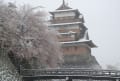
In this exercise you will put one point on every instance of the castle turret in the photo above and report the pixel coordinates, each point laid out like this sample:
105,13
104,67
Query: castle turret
73,35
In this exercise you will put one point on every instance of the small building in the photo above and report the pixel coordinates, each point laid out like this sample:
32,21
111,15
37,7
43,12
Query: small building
73,35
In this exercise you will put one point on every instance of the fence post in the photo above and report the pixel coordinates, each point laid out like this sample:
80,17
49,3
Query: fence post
68,79
117,79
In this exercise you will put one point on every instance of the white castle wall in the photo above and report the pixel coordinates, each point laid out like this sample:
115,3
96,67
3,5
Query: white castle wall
64,14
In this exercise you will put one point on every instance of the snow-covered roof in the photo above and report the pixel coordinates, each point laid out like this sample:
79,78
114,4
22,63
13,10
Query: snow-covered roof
70,32
56,11
74,41
85,36
79,42
66,23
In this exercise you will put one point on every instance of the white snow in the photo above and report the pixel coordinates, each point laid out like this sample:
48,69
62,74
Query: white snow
81,40
64,10
65,23
70,32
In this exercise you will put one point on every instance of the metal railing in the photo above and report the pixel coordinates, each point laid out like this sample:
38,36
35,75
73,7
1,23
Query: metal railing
90,72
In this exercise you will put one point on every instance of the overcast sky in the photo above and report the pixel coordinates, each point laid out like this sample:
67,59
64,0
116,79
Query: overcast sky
102,18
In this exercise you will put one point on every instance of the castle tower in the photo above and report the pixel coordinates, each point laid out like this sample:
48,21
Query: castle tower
73,35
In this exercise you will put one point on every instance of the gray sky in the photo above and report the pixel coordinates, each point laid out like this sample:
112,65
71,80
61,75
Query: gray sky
102,18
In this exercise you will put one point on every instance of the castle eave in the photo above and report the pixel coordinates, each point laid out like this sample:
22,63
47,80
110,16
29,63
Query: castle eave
57,11
77,43
65,23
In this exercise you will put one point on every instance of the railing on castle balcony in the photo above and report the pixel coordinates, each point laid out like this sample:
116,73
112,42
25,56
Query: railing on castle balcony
70,73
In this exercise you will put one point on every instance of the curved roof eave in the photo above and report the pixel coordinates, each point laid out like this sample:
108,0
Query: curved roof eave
77,43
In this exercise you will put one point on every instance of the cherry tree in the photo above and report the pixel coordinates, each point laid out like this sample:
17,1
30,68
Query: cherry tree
26,37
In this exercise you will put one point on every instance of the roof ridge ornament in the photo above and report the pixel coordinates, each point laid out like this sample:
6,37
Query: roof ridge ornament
63,2
64,6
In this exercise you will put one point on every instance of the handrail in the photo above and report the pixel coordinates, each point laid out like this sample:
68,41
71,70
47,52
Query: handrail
70,71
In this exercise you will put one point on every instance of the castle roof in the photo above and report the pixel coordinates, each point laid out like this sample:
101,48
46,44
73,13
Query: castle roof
65,10
77,43
65,23
84,38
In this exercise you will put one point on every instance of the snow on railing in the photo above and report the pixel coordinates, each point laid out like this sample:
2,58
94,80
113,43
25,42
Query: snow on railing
88,72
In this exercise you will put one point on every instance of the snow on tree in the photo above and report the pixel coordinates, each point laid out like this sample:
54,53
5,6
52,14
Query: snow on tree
25,31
